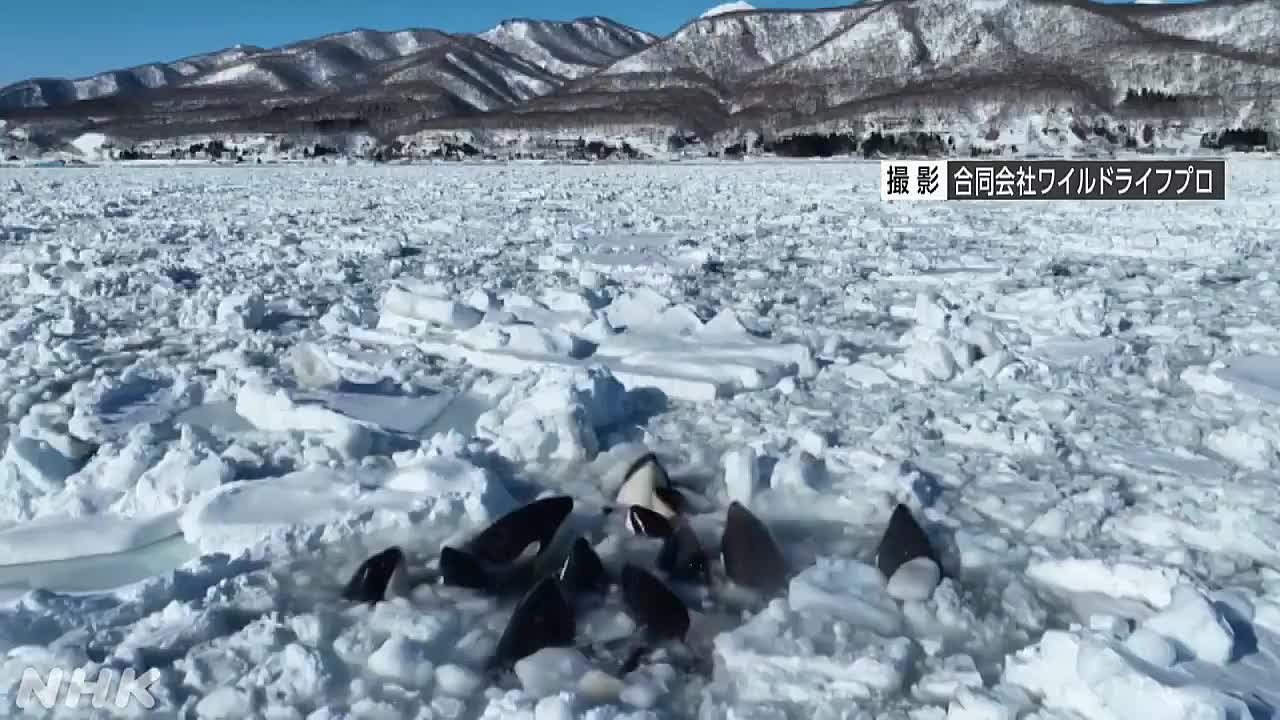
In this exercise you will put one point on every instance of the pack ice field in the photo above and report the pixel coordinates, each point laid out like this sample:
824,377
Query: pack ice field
722,440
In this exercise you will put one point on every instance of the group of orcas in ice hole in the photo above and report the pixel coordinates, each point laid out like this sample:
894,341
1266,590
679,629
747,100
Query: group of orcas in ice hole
555,578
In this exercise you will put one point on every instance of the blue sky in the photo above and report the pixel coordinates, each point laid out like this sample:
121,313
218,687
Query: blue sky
72,38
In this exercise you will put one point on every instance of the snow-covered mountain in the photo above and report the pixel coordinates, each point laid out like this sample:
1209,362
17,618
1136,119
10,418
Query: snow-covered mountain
571,49
728,47
321,62
52,92
977,67
513,61
947,64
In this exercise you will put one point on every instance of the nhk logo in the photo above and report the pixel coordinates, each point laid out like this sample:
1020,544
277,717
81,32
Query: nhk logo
108,689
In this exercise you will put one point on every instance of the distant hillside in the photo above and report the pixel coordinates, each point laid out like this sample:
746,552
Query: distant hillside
982,70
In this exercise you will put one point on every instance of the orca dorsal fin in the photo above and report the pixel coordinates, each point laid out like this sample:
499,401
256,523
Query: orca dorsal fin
583,571
462,569
542,618
903,541
752,557
372,579
652,604
683,558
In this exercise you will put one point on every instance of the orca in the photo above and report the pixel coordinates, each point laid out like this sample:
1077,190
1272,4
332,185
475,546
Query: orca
462,569
647,523
905,546
379,577
752,558
903,540
647,484
672,498
543,618
653,605
683,558
655,608
507,538
495,561
583,571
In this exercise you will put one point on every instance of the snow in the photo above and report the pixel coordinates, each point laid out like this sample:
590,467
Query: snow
405,661
1256,376
644,339
729,7
550,670
57,538
569,49
915,580
741,475
90,144
774,657
1090,676
244,515
1194,626
275,410
205,429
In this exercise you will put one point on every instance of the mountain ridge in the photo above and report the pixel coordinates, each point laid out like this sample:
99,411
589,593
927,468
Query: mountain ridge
51,92
977,68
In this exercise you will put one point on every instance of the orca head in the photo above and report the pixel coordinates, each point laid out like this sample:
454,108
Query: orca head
683,558
506,540
378,577
653,605
543,618
583,571
904,543
752,557
642,482
647,523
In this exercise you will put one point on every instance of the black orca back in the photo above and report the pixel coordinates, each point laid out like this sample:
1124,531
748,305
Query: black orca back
751,556
903,541
583,571
506,539
542,618
683,558
461,569
652,604
369,582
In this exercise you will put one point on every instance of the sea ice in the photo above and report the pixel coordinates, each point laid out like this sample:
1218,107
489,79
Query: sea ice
240,383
